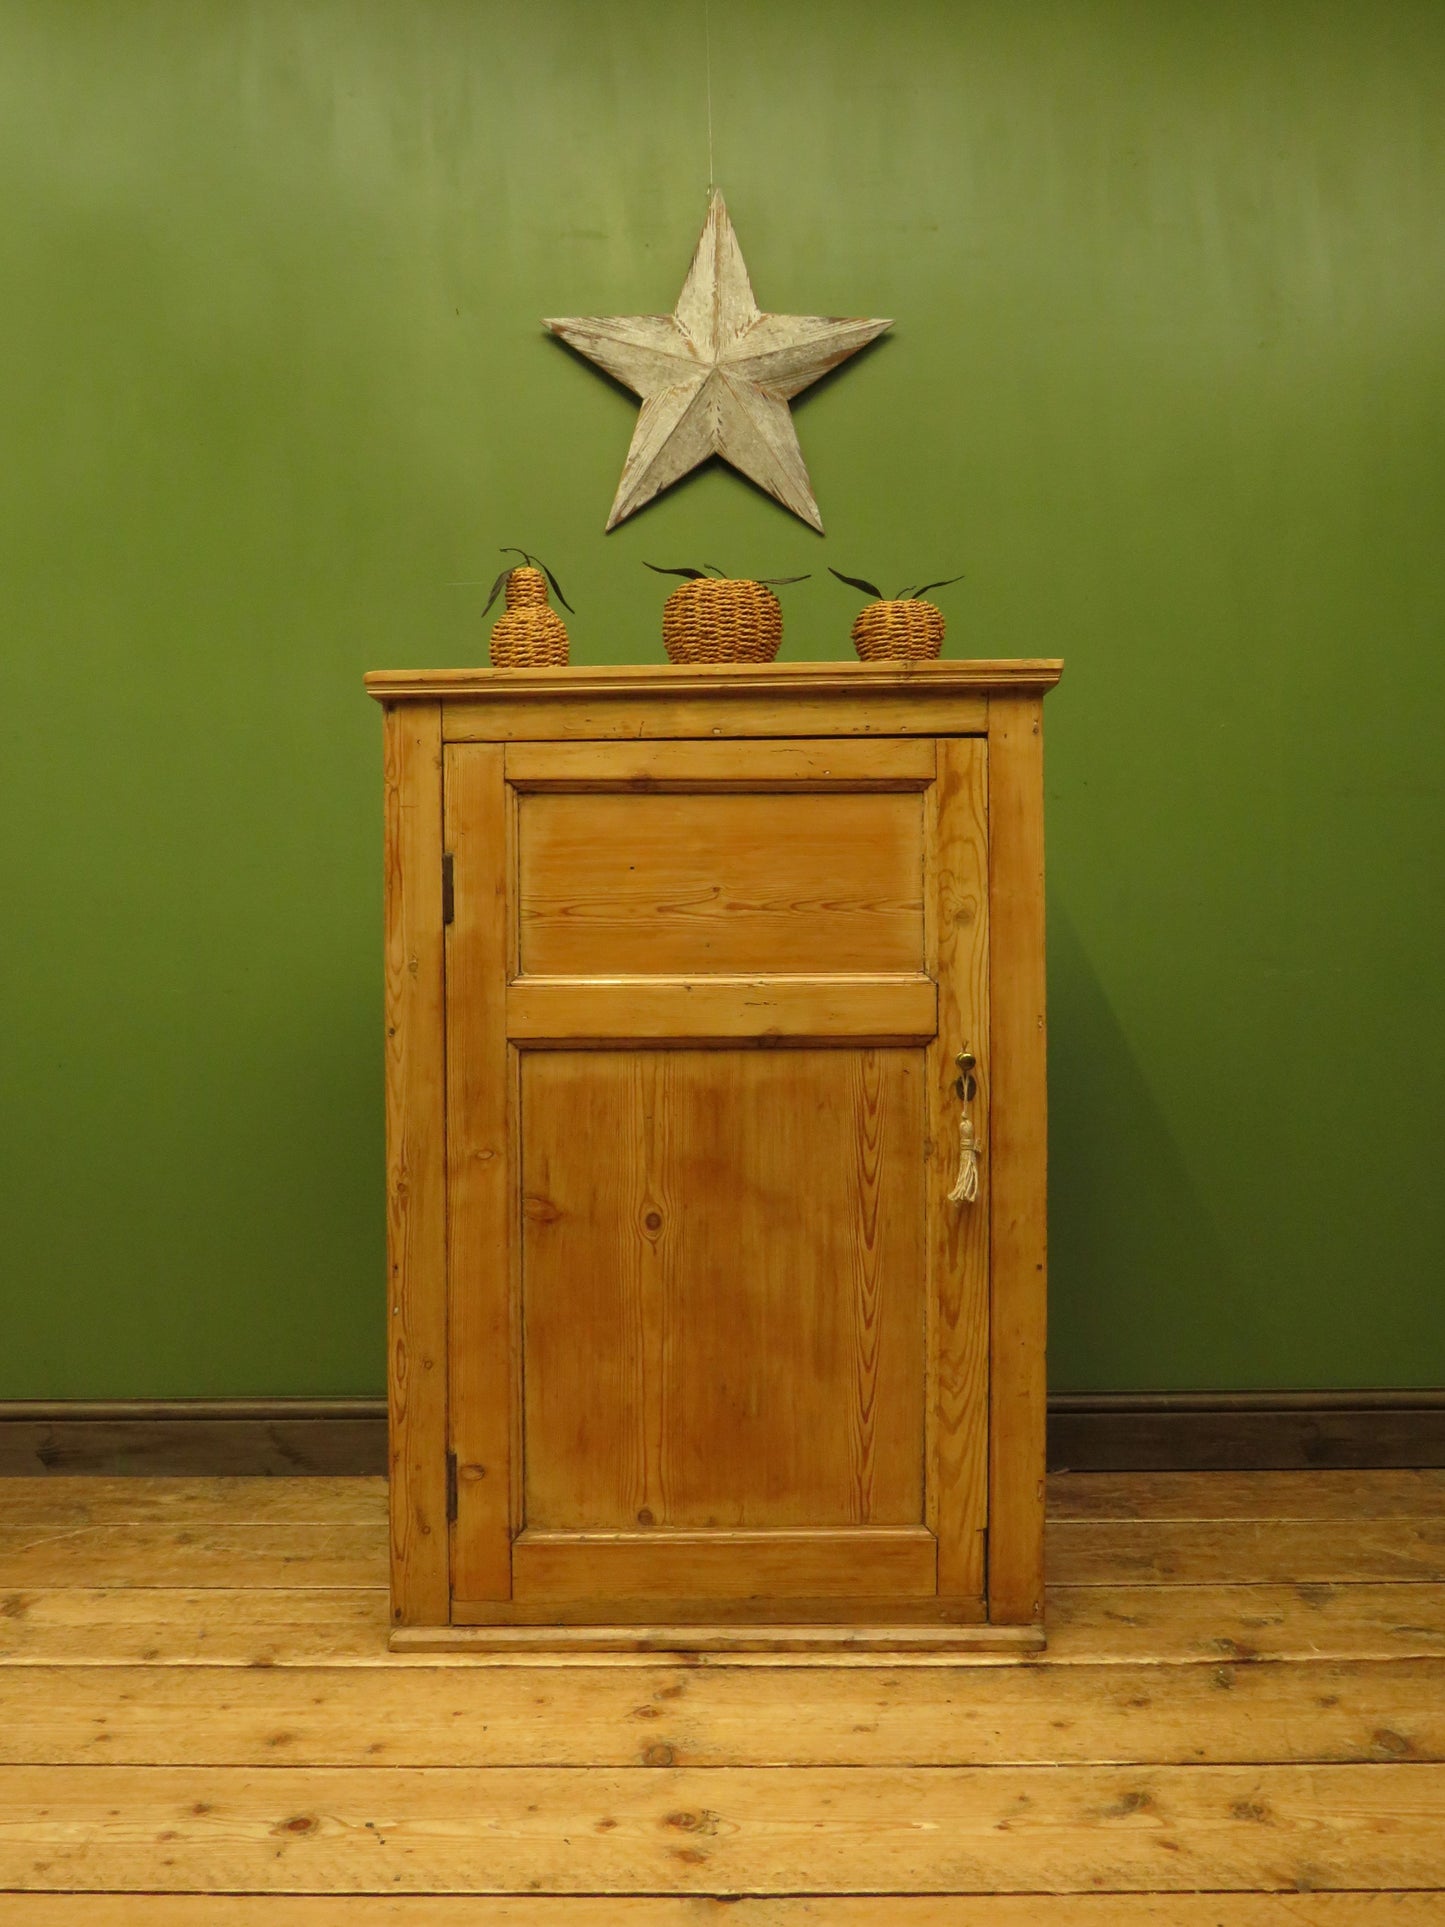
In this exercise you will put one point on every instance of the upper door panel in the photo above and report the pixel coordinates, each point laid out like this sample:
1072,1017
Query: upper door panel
686,885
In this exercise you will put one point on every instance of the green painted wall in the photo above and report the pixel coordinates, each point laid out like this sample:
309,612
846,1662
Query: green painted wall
1168,380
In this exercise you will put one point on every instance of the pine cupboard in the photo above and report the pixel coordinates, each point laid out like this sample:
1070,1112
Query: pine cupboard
692,977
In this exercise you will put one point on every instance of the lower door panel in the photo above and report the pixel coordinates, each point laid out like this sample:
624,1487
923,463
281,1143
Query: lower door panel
721,1295
722,1323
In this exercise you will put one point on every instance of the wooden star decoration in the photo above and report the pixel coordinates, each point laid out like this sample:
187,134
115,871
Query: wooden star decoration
716,376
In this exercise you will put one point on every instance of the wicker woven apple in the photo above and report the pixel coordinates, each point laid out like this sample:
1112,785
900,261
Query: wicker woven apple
718,618
529,634
902,627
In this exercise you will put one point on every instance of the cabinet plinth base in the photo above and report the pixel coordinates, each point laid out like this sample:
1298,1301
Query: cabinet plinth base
877,1643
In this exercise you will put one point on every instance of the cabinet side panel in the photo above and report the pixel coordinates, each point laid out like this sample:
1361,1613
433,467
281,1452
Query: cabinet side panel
1018,1151
415,1163
958,1234
483,1375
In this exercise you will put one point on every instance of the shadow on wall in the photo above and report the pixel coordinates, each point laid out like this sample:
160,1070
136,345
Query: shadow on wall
1132,1239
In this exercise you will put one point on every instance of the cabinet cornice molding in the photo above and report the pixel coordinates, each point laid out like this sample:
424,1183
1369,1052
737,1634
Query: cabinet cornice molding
1032,675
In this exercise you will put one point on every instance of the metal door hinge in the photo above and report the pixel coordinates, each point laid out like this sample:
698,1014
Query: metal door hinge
451,1488
448,892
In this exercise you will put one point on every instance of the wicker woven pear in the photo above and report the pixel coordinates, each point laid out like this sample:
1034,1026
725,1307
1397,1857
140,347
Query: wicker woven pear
902,628
718,618
529,634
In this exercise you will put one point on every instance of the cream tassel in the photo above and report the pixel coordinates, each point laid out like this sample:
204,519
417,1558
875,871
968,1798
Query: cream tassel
965,1185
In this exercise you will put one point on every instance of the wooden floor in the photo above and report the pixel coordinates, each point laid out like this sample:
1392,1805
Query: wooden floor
1240,1720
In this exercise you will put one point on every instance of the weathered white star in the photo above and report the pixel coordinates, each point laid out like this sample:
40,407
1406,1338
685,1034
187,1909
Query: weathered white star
716,376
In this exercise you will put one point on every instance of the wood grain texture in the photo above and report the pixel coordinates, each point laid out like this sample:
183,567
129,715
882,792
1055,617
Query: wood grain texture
665,1715
780,1564
229,1626
646,914
733,713
902,1910
736,1621
819,1010
416,1229
896,1629
481,1175
724,1830
748,1352
1018,1158
1212,1622
62,1505
1417,1493
1261,1551
188,1625
958,1235
717,767
863,684
1202,1498
158,1553
180,1534
670,884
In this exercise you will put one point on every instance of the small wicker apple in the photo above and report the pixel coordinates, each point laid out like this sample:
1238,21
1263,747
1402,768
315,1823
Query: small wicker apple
718,618
529,634
901,627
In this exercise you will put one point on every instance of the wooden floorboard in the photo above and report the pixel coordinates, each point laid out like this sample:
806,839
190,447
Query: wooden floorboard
61,1505
1088,1625
150,1552
800,1829
1189,1552
1219,1714
283,1534
50,1502
894,1910
1247,1495
1128,1623
1240,1721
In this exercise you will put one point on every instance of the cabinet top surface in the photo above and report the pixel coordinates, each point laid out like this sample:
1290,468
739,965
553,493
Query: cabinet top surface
640,680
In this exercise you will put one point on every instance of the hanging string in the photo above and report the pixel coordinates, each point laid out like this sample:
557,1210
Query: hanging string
707,63
965,1185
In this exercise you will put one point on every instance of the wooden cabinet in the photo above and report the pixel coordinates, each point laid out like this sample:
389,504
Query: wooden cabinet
689,1346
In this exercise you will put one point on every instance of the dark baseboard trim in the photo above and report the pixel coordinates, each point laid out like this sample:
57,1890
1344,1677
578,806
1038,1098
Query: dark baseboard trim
1088,1432
1244,1431
194,1437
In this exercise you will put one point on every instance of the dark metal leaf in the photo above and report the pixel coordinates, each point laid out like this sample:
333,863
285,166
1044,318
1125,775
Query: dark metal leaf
693,575
857,582
936,585
721,574
496,588
777,581
510,548
556,588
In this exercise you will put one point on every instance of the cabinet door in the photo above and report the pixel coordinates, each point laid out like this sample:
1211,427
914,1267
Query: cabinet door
718,1339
